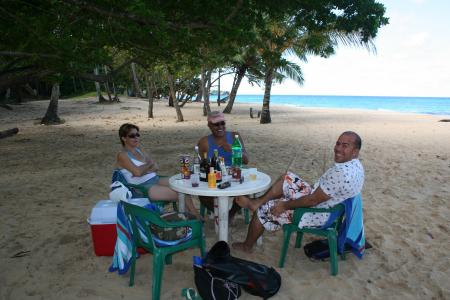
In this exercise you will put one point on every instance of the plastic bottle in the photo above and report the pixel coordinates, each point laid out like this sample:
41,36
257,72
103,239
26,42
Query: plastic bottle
236,152
217,166
223,168
212,178
196,162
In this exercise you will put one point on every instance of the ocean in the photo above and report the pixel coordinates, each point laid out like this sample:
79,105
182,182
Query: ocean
419,105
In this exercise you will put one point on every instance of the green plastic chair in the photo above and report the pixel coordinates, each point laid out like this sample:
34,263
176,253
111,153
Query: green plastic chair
141,189
161,255
330,233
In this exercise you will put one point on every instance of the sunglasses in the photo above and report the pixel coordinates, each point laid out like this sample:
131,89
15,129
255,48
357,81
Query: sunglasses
133,136
222,123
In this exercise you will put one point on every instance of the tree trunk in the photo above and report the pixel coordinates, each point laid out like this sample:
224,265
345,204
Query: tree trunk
218,89
150,97
236,83
51,116
82,84
203,83
74,82
137,88
265,113
97,88
199,94
175,101
108,90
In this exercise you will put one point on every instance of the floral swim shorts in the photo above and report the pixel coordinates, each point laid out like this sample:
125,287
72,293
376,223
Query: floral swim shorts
293,188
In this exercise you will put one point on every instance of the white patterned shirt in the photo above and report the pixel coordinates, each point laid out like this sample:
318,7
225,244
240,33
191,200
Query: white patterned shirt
340,182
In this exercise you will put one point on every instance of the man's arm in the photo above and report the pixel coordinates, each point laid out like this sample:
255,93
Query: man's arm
203,146
313,199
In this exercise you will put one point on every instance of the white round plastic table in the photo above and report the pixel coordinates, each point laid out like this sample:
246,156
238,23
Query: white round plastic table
222,197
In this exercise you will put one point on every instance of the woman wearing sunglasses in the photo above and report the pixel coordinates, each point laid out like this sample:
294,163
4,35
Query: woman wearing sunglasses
139,168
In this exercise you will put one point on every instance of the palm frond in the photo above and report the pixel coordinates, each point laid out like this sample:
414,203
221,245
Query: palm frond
292,71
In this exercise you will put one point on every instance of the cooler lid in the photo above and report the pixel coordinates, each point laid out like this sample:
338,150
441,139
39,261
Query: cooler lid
105,211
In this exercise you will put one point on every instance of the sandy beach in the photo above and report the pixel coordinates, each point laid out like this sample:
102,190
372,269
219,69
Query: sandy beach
52,176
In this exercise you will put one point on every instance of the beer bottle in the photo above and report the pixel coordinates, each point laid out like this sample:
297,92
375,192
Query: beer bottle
204,168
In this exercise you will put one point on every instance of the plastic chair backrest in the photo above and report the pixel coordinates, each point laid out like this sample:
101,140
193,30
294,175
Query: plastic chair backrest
135,190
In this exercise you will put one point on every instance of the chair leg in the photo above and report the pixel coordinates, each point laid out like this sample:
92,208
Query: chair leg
158,268
246,216
202,210
332,246
133,267
202,245
298,239
168,259
287,236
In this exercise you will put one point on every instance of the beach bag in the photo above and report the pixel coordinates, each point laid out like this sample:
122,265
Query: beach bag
119,192
256,279
171,236
118,176
212,287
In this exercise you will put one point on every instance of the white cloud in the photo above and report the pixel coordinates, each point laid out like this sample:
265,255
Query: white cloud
418,39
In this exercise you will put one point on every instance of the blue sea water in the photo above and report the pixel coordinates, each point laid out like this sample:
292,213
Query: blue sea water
420,105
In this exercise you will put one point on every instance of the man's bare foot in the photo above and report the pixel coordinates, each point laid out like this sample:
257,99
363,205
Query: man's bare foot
242,247
246,202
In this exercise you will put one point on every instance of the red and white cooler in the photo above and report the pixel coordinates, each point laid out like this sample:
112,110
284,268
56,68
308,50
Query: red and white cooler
103,224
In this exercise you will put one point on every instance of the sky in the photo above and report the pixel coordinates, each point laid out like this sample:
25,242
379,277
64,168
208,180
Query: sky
412,59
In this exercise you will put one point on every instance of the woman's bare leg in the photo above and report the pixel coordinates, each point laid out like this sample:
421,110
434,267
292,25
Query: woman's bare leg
162,192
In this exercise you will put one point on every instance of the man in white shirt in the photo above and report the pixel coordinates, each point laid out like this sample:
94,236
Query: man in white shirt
275,208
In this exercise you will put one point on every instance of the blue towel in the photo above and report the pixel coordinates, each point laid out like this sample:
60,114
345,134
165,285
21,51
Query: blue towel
352,229
121,261
124,245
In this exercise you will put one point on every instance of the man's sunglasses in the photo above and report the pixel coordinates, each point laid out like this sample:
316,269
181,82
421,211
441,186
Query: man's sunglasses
222,123
133,136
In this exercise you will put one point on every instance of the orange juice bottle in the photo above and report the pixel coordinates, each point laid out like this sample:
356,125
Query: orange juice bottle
211,178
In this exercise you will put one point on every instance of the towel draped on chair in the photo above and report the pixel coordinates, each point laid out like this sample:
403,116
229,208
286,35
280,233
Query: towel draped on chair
352,228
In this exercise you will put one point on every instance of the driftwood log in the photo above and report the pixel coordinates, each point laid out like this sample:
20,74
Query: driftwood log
9,132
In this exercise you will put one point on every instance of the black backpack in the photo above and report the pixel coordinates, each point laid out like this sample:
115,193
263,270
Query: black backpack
214,288
256,279
319,250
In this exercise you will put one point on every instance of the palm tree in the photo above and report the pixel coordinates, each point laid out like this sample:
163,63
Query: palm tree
285,38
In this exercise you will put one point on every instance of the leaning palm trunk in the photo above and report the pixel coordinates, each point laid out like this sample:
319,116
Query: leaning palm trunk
173,95
265,114
51,116
236,83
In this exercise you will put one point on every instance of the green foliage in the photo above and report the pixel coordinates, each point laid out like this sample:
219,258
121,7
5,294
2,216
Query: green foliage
45,38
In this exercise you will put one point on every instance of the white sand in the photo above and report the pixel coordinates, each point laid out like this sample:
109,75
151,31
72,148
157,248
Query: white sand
51,177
